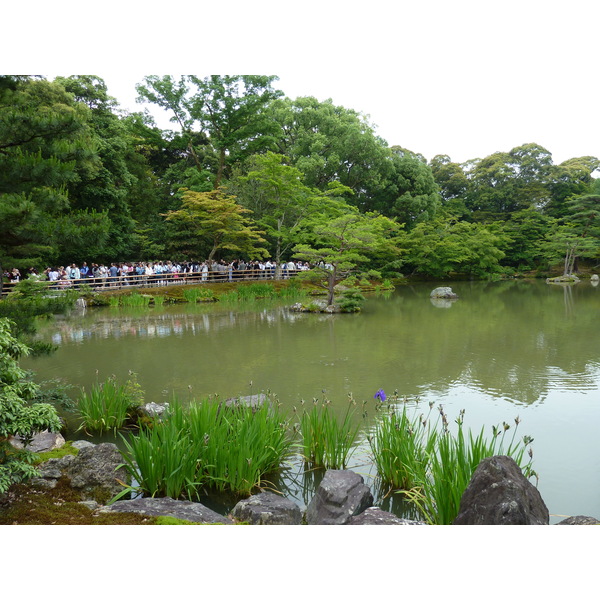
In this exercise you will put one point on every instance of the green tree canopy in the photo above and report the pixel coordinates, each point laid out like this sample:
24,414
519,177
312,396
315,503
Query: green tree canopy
228,111
45,143
344,243
215,221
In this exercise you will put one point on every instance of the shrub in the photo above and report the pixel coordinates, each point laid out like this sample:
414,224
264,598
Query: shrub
18,414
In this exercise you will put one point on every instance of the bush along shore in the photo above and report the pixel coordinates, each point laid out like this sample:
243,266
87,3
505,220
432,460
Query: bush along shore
174,456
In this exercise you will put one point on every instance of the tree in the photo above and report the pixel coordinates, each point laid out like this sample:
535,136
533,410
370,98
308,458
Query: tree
18,414
343,243
409,191
329,143
229,110
105,188
505,182
45,142
525,228
572,177
443,246
217,220
579,233
280,202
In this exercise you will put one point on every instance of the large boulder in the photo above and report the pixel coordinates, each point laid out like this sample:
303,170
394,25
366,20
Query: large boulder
375,516
168,507
341,495
499,494
267,508
95,472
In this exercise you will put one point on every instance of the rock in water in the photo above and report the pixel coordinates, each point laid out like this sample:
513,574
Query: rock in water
340,496
443,292
499,494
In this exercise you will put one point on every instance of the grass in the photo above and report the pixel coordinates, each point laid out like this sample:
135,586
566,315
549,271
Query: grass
109,405
327,441
195,294
208,447
432,466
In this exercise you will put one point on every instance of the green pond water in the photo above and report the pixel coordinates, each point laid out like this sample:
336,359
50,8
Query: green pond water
502,350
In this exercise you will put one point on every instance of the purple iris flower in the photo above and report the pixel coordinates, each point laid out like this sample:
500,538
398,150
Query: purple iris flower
381,395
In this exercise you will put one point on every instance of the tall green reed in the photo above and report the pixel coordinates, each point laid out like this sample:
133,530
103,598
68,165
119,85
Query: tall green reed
326,440
433,465
108,405
208,447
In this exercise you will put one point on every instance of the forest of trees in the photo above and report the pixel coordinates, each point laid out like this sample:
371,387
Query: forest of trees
82,180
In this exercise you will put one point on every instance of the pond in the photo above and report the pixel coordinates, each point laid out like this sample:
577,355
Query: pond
502,350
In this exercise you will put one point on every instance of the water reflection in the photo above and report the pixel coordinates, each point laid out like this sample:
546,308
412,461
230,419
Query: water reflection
514,341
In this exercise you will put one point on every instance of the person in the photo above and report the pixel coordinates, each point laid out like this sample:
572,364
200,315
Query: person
112,271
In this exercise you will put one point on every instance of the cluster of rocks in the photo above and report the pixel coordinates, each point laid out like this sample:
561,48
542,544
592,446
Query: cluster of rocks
498,494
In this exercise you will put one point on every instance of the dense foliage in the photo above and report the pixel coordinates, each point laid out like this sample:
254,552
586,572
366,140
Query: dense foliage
20,415
81,180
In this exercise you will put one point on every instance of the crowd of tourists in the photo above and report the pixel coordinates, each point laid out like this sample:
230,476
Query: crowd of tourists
159,272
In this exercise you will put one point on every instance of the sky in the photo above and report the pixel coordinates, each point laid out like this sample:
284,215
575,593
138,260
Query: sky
463,78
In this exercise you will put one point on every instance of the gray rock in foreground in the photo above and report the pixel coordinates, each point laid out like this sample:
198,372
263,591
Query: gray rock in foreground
341,495
94,472
168,507
267,508
375,516
579,520
499,494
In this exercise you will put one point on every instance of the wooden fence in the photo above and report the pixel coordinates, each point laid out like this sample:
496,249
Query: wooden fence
132,281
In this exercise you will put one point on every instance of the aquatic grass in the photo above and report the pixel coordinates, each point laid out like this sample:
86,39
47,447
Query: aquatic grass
164,461
454,461
108,406
401,446
206,448
158,300
135,299
194,294
431,466
327,441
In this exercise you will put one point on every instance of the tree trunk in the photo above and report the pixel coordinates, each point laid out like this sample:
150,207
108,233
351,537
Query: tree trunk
331,286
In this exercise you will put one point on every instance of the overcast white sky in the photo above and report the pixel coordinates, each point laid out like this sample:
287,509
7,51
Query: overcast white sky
464,78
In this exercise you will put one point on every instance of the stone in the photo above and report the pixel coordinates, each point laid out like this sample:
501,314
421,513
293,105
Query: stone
375,516
152,410
168,507
267,508
43,441
579,520
79,444
341,495
443,292
96,473
499,494
596,278
51,471
254,402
